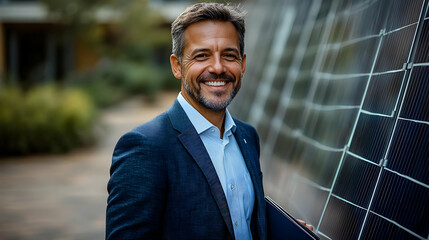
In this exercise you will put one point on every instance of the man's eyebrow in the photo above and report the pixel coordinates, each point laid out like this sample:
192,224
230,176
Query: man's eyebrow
199,50
231,49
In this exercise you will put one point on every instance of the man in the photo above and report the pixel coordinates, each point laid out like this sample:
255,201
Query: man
193,172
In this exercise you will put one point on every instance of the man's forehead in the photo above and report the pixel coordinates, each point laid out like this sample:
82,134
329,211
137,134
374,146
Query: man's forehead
209,31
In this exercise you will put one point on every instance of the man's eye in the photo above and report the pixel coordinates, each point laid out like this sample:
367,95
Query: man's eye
201,56
230,57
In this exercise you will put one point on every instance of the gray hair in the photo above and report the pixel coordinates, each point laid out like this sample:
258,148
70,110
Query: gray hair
206,11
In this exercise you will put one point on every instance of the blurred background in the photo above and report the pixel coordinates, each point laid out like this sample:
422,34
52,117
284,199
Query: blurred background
337,89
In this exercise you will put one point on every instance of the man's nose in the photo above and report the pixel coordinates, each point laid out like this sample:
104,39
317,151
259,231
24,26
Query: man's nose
217,65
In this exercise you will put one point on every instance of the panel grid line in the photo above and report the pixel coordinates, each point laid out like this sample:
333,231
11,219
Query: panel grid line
324,235
414,120
362,158
310,183
347,201
408,178
336,76
297,133
378,114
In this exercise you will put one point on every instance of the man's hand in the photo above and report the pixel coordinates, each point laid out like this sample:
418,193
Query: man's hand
305,224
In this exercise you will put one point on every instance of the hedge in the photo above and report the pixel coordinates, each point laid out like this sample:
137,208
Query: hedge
46,119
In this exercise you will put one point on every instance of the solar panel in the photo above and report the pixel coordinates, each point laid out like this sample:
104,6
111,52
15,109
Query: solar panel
339,94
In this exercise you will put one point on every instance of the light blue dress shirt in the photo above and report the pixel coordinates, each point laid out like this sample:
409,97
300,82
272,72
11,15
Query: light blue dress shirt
230,167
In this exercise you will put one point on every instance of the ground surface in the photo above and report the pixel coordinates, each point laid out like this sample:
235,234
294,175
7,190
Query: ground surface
63,197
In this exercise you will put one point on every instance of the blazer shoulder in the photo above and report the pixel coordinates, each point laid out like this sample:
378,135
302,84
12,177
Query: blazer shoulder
155,128
245,126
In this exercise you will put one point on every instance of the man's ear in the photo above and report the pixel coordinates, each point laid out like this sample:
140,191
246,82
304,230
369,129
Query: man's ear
176,67
243,65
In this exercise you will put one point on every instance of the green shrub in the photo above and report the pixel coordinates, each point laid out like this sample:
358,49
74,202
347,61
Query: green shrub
116,81
45,119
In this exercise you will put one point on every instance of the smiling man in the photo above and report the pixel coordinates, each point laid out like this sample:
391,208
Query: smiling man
193,172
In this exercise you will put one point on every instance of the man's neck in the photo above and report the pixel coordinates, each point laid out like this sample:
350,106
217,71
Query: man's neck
217,118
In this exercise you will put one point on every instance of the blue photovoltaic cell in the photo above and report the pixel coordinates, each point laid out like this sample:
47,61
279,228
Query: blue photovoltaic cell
404,202
308,202
395,49
356,180
346,91
351,58
376,12
383,91
409,152
285,145
320,165
293,116
416,102
323,126
342,220
403,13
371,137
422,54
389,230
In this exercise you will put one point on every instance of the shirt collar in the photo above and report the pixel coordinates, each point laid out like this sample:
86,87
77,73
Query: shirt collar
199,122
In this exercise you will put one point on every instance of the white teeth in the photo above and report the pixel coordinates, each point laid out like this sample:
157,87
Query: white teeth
215,83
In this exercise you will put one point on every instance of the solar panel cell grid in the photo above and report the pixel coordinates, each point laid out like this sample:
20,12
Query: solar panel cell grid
357,28
409,152
395,49
285,146
294,115
404,202
356,57
403,13
342,220
355,181
371,137
422,55
323,124
309,198
390,230
320,165
416,102
343,91
383,92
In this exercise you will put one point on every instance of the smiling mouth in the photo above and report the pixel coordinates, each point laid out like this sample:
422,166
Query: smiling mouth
215,83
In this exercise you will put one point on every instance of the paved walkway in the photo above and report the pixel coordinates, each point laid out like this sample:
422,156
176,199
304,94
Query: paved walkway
63,197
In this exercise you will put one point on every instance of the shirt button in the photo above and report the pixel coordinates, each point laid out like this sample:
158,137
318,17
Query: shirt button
232,187
236,223
213,130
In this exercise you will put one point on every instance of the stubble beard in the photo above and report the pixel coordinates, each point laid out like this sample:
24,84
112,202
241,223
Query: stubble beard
210,104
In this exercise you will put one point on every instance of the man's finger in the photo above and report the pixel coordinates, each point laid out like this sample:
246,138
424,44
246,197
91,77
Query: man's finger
305,224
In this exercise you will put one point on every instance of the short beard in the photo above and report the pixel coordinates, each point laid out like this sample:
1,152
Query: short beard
205,102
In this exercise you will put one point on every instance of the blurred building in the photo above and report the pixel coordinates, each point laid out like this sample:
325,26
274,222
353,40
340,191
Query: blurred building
339,93
35,47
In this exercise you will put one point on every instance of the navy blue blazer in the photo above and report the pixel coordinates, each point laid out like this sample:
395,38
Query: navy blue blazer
163,184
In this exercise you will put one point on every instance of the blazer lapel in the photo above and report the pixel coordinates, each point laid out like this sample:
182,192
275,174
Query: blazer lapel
193,144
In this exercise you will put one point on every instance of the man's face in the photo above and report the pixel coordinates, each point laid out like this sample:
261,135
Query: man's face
211,67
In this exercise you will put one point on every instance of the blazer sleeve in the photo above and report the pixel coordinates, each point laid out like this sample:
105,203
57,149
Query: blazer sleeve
137,190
